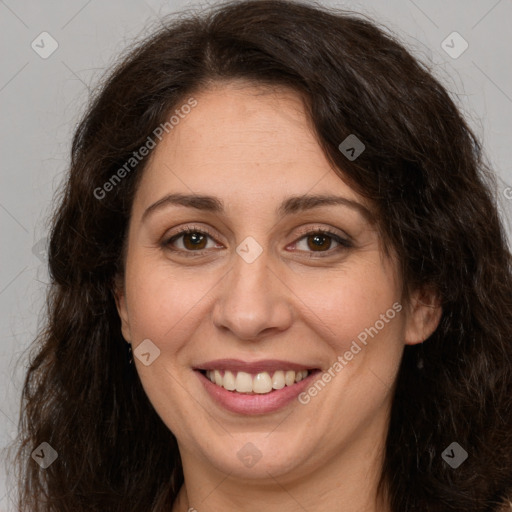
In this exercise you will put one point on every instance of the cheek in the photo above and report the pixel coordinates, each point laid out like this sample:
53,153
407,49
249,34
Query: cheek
164,305
346,305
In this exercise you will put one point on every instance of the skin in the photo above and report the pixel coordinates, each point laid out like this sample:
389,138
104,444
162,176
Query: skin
252,147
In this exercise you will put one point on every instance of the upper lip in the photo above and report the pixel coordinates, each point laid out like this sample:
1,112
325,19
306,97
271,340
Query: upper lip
264,365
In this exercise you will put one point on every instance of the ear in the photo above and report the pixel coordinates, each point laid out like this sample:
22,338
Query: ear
120,298
423,316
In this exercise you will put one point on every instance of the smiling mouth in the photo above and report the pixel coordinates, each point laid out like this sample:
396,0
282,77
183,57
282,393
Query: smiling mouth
256,384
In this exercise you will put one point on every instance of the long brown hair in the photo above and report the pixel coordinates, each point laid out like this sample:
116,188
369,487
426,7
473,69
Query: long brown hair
423,170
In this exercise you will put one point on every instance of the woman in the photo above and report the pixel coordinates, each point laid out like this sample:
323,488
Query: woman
284,220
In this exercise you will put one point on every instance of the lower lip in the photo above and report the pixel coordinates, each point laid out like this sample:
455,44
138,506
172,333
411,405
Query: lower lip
241,403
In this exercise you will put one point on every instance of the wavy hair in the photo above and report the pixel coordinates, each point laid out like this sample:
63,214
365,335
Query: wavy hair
422,168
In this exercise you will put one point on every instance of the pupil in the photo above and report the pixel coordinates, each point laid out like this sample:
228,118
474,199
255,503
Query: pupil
320,241
194,239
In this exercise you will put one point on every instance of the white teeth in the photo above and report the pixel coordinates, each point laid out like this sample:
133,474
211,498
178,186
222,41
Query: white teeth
243,382
261,383
229,381
289,377
278,380
299,376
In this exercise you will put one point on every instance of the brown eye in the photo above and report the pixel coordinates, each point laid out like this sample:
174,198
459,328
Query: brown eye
319,242
189,240
194,240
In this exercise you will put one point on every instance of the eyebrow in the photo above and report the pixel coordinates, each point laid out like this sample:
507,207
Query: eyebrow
290,205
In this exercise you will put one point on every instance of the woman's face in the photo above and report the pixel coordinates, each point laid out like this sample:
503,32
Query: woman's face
255,292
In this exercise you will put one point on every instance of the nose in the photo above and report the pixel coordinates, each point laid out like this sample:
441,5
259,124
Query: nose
253,302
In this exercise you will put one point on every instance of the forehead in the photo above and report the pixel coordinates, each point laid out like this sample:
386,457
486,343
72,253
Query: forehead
242,141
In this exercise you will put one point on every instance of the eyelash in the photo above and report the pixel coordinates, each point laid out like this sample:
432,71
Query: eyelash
343,243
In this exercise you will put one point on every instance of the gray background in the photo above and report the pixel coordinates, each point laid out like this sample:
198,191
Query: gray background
41,100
